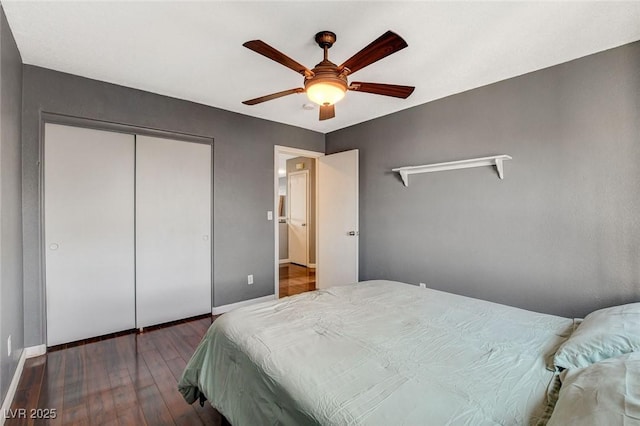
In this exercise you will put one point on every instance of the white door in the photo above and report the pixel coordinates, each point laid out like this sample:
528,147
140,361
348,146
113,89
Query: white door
338,219
89,232
173,230
298,190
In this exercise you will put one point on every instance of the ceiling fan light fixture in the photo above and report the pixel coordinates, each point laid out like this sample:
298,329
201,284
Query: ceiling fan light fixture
325,92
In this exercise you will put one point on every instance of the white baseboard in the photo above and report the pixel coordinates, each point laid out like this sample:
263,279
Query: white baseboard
284,261
11,392
217,310
34,351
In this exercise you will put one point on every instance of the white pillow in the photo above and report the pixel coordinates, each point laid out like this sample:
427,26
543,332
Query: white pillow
604,393
602,334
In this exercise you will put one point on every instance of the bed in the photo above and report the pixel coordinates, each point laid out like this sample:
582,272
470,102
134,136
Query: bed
378,353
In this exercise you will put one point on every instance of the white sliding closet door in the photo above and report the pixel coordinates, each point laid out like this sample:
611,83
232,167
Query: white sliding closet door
89,232
173,230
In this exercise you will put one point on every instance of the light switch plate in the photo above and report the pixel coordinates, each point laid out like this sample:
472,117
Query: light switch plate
269,215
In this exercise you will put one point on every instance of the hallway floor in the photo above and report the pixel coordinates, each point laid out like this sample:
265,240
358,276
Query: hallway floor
295,279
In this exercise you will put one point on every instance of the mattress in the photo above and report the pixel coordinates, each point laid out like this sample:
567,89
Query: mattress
377,353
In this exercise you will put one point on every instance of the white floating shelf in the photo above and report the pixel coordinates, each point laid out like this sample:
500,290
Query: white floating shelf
495,160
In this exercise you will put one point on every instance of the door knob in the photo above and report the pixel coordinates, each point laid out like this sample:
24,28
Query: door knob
54,246
353,233
304,224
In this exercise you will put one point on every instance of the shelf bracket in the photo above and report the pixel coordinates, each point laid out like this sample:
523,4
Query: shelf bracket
405,177
500,168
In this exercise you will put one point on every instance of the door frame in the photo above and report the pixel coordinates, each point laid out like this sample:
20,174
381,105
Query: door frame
277,151
308,203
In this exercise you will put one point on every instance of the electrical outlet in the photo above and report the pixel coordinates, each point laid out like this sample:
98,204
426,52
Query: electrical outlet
423,285
9,346
250,279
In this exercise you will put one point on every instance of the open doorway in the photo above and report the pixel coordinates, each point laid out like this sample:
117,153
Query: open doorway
295,205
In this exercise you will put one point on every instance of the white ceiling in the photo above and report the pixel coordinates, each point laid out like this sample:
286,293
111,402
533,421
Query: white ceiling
193,50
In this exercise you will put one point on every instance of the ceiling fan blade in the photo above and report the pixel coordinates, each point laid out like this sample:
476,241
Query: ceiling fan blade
382,89
264,49
273,96
327,112
382,47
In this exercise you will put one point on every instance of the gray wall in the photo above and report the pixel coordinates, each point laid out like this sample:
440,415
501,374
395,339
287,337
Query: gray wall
560,234
243,176
309,164
11,315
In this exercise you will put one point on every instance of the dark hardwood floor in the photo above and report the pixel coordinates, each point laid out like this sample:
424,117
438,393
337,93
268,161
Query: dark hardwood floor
295,279
125,380
128,379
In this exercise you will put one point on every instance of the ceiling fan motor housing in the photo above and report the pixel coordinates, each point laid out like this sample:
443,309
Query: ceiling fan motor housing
326,72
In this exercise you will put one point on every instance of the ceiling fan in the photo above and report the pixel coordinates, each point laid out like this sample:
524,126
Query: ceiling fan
327,83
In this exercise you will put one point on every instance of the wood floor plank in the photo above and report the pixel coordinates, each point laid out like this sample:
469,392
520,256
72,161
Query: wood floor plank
132,417
201,326
102,407
52,391
124,349
51,398
183,344
32,373
76,415
101,402
144,343
153,406
75,391
124,394
176,366
111,421
181,412
55,369
165,346
139,372
96,352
